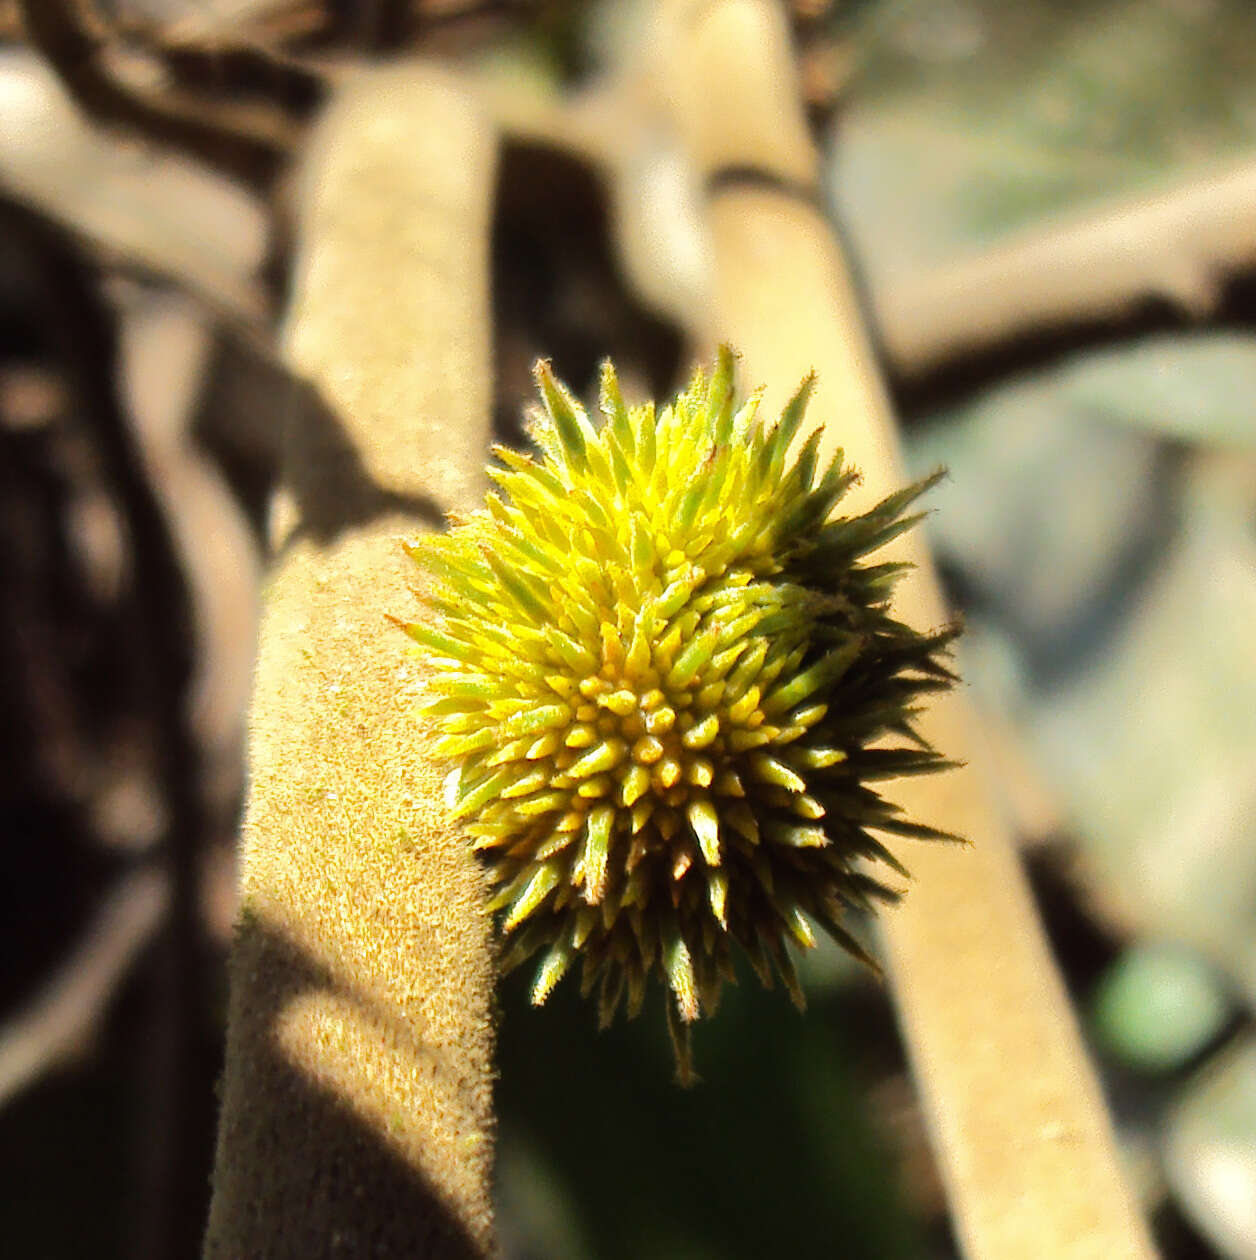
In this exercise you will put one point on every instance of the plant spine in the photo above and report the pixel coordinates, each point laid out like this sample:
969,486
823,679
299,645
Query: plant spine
664,670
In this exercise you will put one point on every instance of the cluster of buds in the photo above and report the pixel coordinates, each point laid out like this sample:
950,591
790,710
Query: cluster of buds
664,671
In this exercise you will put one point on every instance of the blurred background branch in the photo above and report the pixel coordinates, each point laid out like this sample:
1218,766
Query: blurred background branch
1174,259
246,143
58,1024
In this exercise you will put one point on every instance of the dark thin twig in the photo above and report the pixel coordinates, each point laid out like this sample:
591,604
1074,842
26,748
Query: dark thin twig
74,998
248,143
232,62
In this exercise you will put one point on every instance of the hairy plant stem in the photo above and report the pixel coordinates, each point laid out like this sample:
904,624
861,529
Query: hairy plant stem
356,1112
1016,1113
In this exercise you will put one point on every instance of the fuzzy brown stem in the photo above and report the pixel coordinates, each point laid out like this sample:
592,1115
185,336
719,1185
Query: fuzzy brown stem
1016,1113
356,1114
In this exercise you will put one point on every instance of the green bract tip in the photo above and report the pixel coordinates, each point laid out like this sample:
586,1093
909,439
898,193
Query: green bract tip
660,667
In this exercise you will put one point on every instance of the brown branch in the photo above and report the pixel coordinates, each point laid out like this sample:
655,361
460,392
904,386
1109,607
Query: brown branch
250,144
216,62
356,1099
166,216
55,1025
1016,1114
1160,261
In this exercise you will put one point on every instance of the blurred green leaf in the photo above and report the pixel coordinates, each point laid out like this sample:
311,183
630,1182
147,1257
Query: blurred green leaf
1191,389
1158,1006
1043,510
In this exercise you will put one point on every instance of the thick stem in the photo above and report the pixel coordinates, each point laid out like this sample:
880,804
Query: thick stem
357,1101
1017,1116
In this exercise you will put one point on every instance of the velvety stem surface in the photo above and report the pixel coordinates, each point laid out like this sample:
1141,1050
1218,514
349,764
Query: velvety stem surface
1020,1126
356,1113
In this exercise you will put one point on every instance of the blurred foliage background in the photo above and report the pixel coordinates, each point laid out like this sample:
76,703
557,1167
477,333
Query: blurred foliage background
1098,532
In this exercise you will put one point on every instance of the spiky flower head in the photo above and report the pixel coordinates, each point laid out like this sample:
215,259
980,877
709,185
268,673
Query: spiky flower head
661,664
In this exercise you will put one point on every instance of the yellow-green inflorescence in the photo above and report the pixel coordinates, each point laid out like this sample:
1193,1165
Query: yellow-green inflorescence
660,664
